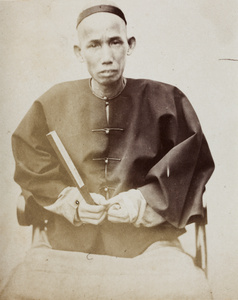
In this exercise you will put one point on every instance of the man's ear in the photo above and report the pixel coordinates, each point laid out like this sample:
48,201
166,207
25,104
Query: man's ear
78,53
132,44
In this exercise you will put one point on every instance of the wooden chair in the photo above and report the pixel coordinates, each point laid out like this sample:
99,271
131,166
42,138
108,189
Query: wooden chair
200,258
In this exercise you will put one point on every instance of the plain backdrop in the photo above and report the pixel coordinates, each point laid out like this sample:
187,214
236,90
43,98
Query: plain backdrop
190,44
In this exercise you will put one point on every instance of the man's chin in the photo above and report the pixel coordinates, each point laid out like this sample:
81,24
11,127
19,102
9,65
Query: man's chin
108,80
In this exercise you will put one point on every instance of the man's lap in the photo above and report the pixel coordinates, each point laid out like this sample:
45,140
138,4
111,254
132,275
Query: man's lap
163,271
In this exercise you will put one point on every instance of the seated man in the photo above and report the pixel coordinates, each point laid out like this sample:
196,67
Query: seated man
140,150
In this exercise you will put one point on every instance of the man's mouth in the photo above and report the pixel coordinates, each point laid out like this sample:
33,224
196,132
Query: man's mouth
108,72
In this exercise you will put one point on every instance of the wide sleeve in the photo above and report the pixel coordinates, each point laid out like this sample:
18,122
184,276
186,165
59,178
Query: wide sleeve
175,184
37,169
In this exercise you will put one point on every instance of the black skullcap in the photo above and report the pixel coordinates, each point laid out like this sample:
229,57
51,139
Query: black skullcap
100,8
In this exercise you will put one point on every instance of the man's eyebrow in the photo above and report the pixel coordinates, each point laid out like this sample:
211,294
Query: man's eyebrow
94,41
98,41
115,38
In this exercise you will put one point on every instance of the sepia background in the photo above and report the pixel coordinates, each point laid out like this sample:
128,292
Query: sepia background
190,44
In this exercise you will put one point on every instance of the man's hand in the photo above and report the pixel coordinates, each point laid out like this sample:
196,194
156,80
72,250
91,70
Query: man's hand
71,205
127,207
92,214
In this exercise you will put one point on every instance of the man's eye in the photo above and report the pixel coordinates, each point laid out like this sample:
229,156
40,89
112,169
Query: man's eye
93,45
116,42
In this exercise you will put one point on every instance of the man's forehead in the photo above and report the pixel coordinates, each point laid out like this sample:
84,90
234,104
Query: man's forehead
101,23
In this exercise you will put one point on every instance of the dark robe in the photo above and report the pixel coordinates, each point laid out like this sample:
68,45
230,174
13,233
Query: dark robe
152,142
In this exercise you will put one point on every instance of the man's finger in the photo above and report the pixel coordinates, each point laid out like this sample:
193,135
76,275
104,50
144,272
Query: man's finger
116,199
83,207
115,219
99,199
90,215
121,213
93,221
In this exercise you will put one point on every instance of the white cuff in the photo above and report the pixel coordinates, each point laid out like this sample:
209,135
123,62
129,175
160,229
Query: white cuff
135,204
148,217
66,205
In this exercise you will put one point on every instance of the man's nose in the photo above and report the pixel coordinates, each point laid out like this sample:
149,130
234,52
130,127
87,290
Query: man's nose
107,56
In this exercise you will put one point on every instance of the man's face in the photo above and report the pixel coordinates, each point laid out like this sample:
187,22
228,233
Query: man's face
103,46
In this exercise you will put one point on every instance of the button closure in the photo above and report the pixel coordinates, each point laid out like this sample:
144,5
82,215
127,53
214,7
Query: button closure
107,130
46,223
